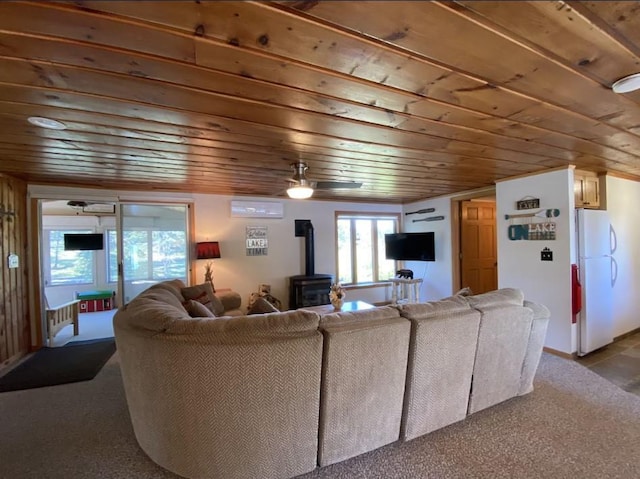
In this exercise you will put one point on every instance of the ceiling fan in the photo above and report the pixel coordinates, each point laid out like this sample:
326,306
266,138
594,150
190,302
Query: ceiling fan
301,187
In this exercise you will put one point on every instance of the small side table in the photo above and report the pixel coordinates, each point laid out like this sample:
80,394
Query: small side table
405,290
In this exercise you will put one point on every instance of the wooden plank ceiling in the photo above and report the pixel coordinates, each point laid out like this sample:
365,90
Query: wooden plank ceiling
413,99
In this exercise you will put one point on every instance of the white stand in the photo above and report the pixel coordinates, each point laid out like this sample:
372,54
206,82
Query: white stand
405,290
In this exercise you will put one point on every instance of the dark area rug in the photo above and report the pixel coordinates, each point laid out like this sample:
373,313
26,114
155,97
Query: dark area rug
77,361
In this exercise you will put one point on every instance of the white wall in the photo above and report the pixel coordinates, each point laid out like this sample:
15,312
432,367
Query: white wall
437,276
519,264
285,258
623,196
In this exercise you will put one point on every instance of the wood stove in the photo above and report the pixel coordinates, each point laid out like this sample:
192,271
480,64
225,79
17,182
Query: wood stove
309,289
305,290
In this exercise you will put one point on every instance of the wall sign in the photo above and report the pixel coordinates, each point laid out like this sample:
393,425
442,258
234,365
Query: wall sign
528,204
533,231
257,242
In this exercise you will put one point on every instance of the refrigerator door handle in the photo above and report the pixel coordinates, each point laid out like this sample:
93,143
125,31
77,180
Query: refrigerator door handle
614,271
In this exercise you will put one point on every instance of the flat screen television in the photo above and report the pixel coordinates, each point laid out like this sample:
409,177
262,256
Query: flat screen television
410,246
83,241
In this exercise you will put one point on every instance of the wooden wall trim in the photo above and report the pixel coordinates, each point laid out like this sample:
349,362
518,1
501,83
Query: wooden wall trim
14,307
37,296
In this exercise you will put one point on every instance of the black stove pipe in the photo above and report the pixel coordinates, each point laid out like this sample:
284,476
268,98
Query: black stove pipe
309,255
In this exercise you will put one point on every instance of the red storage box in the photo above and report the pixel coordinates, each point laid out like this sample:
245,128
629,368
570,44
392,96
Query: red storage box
91,301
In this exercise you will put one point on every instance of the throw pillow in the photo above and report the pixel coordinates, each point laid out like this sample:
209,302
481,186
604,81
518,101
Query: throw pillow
260,306
203,293
197,310
464,292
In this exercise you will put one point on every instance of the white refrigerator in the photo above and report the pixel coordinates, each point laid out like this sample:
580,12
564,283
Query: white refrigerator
595,322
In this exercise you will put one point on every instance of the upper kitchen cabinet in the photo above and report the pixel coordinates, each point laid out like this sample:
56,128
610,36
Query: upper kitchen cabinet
587,188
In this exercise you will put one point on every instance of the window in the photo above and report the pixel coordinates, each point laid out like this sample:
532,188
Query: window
67,267
360,238
148,254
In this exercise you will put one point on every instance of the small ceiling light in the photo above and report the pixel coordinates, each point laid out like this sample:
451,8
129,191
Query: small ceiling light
627,84
300,192
46,123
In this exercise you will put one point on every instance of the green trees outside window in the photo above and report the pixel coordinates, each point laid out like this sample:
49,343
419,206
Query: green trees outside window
360,241
67,267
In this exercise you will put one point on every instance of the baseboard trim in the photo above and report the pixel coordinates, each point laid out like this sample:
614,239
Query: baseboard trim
626,335
555,352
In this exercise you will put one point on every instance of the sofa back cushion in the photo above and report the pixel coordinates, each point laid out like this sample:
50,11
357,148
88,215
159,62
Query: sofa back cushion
435,309
363,374
174,286
152,311
444,335
498,297
253,329
503,338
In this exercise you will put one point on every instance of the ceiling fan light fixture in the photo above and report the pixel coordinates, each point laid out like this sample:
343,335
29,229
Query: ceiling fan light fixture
627,84
300,192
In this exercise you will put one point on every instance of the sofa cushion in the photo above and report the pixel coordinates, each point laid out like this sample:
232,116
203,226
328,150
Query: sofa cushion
260,306
435,309
197,310
441,359
152,310
203,293
174,286
499,297
363,381
244,329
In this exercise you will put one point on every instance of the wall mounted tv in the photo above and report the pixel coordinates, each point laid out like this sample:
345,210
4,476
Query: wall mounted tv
83,241
410,246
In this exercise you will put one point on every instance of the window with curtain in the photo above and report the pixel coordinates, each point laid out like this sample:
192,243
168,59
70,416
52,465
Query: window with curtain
360,246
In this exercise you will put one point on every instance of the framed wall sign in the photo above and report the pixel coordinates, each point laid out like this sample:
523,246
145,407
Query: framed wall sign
528,204
257,242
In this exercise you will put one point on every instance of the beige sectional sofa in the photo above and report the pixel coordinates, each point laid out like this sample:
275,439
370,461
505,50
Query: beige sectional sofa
276,395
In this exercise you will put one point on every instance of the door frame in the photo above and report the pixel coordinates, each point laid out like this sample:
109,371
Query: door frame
456,230
37,325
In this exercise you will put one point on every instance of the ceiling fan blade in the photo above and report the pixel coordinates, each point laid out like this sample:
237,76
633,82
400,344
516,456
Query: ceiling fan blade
335,185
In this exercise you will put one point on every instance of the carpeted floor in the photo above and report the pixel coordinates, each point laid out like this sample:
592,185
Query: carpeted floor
575,424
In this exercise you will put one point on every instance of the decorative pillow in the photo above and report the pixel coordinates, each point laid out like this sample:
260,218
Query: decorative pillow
261,305
197,310
203,293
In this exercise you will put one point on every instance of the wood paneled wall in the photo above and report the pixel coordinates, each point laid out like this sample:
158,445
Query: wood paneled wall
14,310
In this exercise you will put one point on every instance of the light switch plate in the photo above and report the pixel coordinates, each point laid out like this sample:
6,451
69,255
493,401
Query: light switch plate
13,261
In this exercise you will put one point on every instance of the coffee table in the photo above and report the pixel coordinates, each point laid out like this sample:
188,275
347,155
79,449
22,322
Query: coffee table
348,306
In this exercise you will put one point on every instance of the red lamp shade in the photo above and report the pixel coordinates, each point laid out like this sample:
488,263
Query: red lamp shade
208,250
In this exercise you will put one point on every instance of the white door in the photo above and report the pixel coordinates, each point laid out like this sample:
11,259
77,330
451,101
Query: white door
152,246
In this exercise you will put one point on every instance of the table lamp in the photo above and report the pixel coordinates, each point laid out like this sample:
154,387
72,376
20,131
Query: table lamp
208,250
